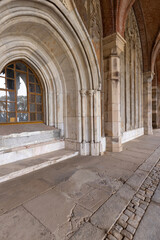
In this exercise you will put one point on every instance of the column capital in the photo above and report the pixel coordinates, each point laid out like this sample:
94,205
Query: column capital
113,44
83,92
91,92
148,77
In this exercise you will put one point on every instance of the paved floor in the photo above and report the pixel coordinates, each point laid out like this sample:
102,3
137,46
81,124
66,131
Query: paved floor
149,228
83,198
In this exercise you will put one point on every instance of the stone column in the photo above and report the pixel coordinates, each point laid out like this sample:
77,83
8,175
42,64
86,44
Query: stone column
83,146
95,147
154,103
91,122
147,101
91,94
158,102
113,47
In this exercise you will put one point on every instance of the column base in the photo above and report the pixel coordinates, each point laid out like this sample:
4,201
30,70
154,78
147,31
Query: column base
95,149
148,131
84,149
114,144
92,149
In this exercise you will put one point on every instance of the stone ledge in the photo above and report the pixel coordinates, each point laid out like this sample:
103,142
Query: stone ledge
17,169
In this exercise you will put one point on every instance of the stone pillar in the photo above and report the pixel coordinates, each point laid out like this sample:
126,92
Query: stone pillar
154,102
95,147
91,96
113,46
84,150
147,101
91,122
158,103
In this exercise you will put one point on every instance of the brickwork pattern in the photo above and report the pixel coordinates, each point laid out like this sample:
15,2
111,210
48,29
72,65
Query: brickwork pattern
128,222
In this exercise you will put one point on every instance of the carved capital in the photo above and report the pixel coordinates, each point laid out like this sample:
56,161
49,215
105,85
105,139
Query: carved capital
91,92
148,77
113,44
83,92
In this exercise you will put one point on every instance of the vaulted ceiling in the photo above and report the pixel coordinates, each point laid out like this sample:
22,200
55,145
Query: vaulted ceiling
114,15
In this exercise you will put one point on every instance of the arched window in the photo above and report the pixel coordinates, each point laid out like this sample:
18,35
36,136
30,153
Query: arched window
21,98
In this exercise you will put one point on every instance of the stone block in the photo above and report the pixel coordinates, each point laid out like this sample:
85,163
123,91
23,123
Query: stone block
89,232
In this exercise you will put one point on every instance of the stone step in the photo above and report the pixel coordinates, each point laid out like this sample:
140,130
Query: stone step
21,139
31,150
20,168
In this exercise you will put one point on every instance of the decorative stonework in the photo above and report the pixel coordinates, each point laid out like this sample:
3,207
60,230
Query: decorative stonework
91,16
65,3
95,20
132,33
131,78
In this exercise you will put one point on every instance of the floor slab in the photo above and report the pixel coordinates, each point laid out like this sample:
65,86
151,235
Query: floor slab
80,198
22,225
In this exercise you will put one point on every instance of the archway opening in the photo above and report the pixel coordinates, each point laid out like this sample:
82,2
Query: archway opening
21,94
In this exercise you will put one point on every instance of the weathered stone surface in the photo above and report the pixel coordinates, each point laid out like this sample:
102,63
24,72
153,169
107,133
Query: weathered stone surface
94,199
106,215
89,232
131,229
117,235
134,221
12,194
149,226
19,224
156,196
137,179
54,212
127,234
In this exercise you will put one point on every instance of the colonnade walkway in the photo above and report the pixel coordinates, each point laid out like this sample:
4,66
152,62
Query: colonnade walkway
114,196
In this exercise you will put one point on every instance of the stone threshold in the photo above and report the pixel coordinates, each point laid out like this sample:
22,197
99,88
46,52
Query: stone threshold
30,150
102,221
20,168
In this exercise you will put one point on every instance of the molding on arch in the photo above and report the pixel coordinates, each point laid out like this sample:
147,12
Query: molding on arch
117,13
74,59
26,52
143,35
122,10
155,52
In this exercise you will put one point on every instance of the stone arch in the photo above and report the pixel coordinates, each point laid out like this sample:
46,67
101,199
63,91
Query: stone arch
155,52
143,35
62,55
114,15
122,10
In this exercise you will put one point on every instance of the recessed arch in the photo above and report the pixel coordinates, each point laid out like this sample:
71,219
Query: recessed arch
21,94
155,51
65,61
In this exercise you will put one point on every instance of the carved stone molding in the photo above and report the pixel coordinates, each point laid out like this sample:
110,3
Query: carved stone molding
148,77
95,19
132,31
113,44
65,3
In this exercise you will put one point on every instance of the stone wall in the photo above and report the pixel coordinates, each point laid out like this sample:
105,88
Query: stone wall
90,13
131,78
156,95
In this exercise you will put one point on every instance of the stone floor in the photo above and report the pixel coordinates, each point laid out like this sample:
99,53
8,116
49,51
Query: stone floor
115,196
